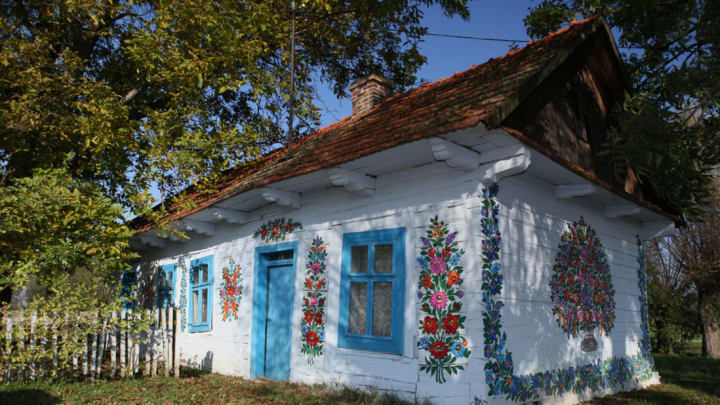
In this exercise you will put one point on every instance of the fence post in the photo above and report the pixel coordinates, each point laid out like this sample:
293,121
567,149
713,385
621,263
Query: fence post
101,349
123,348
176,345
153,342
8,346
54,344
31,337
168,341
163,327
112,343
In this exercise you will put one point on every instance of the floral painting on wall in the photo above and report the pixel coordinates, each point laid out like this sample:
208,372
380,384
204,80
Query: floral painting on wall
231,291
500,374
581,287
440,293
315,286
276,230
182,301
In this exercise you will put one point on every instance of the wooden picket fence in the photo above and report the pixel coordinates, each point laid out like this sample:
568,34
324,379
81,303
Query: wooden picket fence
109,349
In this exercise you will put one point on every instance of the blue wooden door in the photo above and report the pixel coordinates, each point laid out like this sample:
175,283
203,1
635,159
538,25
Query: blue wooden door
273,298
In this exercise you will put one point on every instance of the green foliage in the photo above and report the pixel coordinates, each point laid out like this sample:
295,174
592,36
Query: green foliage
52,225
131,94
53,329
667,132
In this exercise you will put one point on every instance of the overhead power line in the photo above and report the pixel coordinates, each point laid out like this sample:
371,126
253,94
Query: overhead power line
434,34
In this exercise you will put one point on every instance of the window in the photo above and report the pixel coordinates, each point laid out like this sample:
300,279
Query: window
128,282
166,286
372,290
201,288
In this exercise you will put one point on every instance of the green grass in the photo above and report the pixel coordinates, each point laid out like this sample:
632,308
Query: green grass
191,388
686,380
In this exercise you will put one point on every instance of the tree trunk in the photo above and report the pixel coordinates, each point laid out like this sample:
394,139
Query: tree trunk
708,309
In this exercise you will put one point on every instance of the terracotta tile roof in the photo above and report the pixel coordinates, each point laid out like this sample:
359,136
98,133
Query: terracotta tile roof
484,94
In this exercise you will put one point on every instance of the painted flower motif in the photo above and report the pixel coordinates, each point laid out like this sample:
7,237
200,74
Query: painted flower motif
439,349
231,291
313,321
312,338
488,351
437,265
450,324
426,281
457,349
438,299
441,271
453,278
430,325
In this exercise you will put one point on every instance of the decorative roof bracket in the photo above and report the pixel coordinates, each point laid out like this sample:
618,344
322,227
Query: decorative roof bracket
569,191
197,227
508,161
454,155
151,240
227,215
621,210
281,197
656,229
353,182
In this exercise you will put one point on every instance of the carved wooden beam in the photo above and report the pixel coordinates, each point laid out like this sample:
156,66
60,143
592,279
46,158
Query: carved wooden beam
227,215
197,227
281,197
656,229
621,210
454,155
353,182
568,191
508,161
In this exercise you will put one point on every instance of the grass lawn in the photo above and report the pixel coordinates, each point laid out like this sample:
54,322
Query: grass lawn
686,380
191,388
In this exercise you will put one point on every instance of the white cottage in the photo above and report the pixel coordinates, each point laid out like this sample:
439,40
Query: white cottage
460,243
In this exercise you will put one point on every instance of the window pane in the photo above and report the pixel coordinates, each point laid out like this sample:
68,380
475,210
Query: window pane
204,270
194,275
284,255
359,263
383,258
382,309
195,306
358,308
204,305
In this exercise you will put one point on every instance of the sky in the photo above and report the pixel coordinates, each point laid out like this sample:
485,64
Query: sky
446,56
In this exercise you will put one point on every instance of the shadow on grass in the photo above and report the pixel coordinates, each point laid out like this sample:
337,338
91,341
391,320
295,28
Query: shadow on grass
190,372
692,373
27,396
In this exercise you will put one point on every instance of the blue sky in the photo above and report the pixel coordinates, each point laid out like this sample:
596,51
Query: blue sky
445,56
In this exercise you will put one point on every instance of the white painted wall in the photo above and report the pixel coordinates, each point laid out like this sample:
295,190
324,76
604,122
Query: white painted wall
532,221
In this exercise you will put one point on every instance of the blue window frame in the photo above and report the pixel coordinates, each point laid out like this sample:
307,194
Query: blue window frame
166,285
201,292
372,291
128,282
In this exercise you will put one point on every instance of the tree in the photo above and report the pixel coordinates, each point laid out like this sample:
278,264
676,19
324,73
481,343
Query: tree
124,95
696,249
127,94
51,226
667,130
672,300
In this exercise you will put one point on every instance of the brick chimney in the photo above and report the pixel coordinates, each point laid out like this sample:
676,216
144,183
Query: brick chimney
367,92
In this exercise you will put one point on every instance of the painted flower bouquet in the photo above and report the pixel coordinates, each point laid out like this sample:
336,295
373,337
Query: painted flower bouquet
276,230
231,291
313,321
581,287
440,292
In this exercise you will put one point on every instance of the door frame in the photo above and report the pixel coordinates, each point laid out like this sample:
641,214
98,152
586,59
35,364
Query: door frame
259,294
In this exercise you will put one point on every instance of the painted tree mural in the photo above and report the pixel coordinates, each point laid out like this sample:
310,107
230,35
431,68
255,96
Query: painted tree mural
581,287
